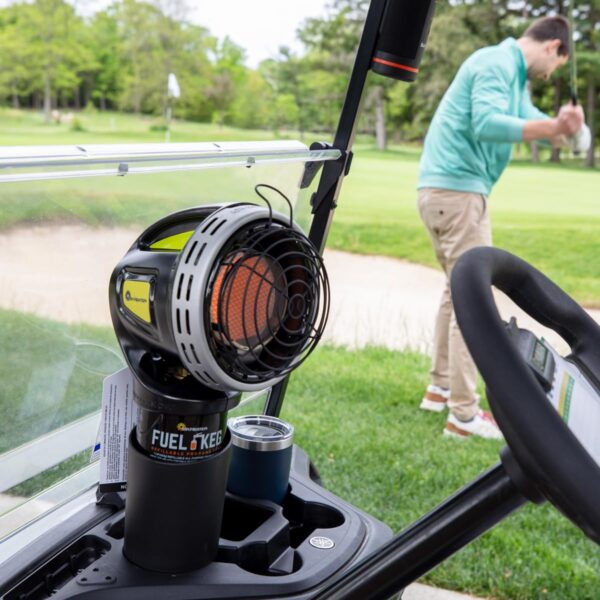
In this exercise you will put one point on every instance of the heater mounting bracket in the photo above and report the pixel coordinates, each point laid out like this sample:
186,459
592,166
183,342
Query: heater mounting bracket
330,178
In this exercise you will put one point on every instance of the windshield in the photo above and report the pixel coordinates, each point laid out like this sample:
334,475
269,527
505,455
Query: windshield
67,215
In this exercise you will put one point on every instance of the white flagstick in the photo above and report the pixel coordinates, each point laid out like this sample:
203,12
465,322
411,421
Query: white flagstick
173,91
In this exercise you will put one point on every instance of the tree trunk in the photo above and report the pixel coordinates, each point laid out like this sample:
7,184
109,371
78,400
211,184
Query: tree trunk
380,120
15,97
590,160
535,153
301,121
102,102
555,157
47,99
87,97
535,149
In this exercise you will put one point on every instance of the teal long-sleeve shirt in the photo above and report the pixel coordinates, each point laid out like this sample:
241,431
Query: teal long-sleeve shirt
481,116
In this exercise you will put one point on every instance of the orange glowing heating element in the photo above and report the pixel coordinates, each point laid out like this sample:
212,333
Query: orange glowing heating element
248,299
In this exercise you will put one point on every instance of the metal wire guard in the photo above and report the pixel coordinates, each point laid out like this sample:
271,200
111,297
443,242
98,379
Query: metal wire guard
268,299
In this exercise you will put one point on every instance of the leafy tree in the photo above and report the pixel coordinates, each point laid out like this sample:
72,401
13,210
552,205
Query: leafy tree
587,19
141,51
285,112
284,74
229,73
253,106
194,71
54,34
15,54
105,44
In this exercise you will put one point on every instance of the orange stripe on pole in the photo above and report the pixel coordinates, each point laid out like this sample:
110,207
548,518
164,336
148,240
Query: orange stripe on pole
389,63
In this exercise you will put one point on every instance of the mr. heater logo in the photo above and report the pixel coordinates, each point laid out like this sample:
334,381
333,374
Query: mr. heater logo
131,298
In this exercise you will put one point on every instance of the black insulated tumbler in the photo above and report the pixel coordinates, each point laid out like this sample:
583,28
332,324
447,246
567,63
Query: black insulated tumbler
261,457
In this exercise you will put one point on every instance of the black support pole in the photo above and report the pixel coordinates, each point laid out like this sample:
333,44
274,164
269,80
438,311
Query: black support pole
452,525
324,200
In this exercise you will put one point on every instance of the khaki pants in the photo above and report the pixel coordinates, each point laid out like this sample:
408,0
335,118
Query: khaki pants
456,222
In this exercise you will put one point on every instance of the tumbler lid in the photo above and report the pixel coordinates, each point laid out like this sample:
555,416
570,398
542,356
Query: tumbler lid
261,433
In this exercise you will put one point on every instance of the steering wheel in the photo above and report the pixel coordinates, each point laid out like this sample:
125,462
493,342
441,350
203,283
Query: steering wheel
548,453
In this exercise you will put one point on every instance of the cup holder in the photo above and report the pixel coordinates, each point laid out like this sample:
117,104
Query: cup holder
263,558
305,517
242,517
273,551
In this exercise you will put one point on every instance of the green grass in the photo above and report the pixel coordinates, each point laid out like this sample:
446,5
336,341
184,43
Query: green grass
355,413
49,477
548,214
51,374
25,128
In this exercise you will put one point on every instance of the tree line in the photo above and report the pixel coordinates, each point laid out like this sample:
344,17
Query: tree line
119,59
460,27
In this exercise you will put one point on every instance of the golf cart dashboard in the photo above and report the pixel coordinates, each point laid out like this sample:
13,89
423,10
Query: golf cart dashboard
265,550
574,395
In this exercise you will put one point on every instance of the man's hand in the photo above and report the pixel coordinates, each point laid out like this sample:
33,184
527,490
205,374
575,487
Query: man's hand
570,119
568,122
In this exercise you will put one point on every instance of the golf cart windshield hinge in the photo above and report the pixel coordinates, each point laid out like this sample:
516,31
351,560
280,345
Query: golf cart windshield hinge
349,156
329,181
312,169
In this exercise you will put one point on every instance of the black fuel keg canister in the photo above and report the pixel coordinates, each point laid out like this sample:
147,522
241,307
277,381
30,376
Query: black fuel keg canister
178,461
180,438
174,510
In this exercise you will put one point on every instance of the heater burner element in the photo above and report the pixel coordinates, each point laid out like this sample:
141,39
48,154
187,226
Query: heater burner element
248,300
269,299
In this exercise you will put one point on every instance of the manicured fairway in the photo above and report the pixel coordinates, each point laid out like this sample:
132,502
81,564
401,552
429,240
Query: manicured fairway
549,215
356,413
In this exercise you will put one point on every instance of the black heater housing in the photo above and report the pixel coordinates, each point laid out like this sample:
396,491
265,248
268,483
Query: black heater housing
402,38
207,303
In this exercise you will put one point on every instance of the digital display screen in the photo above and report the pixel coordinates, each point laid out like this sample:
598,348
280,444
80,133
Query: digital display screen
539,356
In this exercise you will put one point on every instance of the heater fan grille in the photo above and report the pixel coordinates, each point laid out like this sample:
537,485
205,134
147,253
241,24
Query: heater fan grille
269,300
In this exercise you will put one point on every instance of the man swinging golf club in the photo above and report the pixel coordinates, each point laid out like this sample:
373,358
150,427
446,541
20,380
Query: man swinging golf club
486,109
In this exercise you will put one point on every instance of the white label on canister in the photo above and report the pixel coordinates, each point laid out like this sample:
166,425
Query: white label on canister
119,416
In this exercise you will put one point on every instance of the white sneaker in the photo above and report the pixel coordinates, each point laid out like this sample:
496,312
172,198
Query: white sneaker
482,425
435,398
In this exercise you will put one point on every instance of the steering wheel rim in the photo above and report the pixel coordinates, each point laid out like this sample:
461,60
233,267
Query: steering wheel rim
541,442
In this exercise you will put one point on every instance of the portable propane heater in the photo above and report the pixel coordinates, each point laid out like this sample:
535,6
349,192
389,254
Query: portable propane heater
207,303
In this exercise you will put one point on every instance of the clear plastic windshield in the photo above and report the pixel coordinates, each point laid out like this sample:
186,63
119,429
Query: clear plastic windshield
67,215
